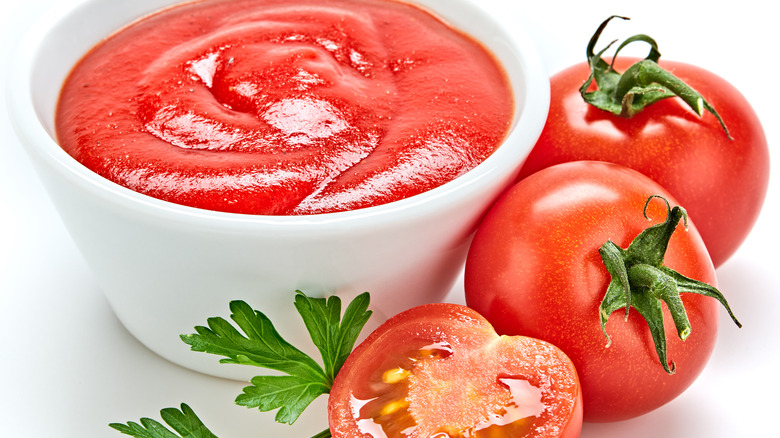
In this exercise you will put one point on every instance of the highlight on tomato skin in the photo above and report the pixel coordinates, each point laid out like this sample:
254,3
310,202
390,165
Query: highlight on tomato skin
534,269
721,178
441,370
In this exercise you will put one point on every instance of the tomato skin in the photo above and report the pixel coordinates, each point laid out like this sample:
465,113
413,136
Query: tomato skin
721,183
534,269
469,335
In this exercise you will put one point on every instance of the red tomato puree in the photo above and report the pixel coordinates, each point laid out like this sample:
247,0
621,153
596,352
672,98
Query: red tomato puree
285,107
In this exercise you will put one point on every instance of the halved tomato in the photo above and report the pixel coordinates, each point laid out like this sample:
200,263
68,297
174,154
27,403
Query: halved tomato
441,371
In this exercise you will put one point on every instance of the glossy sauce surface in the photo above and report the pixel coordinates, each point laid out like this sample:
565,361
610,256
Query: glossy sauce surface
285,107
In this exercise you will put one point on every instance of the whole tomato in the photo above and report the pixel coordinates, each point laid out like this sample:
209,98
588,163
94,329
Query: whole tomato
440,370
720,178
541,265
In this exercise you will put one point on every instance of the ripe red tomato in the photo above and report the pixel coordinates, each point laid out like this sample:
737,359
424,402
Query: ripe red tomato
441,370
534,269
722,183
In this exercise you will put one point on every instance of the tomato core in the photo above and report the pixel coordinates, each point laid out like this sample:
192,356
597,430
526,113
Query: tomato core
418,397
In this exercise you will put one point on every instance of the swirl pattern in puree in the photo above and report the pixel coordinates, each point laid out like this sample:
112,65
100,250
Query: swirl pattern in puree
280,107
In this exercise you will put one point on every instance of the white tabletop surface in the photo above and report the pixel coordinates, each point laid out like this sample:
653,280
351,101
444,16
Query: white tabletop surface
68,368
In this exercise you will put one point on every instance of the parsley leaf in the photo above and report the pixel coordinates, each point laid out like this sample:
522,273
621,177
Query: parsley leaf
183,421
290,394
334,339
262,346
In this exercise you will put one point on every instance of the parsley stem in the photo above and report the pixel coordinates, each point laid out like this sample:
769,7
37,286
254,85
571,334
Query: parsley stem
324,434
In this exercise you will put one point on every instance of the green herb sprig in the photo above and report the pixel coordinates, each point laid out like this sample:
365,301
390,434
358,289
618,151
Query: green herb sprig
260,345
183,421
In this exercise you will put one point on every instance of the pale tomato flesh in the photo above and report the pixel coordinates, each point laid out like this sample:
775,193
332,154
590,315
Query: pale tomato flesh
428,375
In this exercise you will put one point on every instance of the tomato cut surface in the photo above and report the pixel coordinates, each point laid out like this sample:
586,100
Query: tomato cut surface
441,370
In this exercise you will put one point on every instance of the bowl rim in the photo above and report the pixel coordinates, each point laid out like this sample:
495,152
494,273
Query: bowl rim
35,138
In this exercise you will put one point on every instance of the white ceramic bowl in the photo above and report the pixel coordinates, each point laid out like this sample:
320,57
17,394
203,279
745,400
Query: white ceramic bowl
165,268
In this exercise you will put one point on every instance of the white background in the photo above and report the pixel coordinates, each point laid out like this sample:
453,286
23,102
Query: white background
67,367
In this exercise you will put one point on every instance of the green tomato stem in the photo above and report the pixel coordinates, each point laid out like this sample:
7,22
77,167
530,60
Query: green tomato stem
640,281
642,84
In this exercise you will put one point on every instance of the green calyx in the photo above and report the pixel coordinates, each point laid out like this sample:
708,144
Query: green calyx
639,280
641,85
